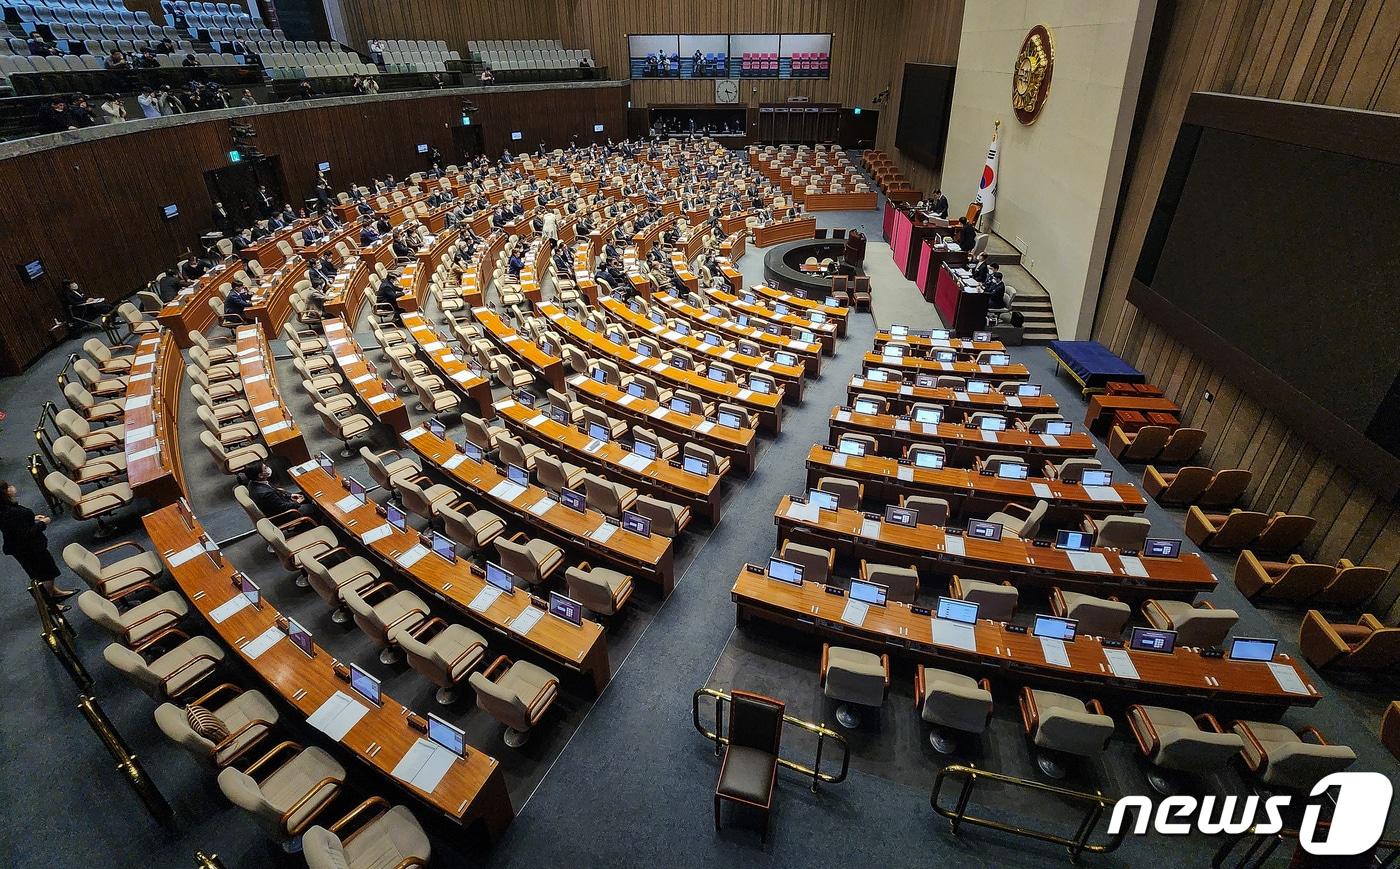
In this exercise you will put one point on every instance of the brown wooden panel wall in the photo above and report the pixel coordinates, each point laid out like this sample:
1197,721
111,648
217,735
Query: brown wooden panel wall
1334,52
91,210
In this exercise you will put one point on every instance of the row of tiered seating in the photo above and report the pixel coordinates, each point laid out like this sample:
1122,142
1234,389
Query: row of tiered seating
409,55
13,65
506,54
98,47
209,16
315,64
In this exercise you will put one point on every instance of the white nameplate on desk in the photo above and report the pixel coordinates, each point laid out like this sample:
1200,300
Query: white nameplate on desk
337,715
363,378
1040,490
264,407
870,528
808,512
857,381
484,598
1054,651
137,378
989,436
626,399
745,394
143,359
1121,663
250,352
136,435
526,619
382,397
838,459
463,376
276,427
143,454
424,765
1133,566
960,396
843,416
256,378
137,402
953,544
1050,440
1089,562
855,612
1287,678
347,359
901,425
449,357
1013,401
593,446
262,642
298,470
704,427
190,552
348,503
603,533
433,346
414,554
536,420
414,433
221,613
1103,493
904,473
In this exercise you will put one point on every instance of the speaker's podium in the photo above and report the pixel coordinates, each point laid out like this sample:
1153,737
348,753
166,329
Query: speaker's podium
963,309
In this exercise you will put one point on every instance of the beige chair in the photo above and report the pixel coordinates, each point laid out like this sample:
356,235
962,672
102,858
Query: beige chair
171,674
854,677
817,562
426,503
1144,445
72,424
993,464
475,530
593,416
1224,531
1352,586
1198,624
219,735
848,492
88,407
1180,488
106,361
1071,470
215,372
228,434
228,390
1291,581
719,465
951,701
382,611
1367,646
1174,741
1280,757
443,653
119,578
97,504
328,580
665,449
608,497
479,433
901,583
390,838
225,410
343,427
516,694
601,590
509,376
433,395
555,474
1063,725
235,460
82,469
1124,533
1020,520
291,794
930,511
995,601
219,350
138,626
667,519
95,382
1096,616
531,559
389,468
513,452
1181,446
308,539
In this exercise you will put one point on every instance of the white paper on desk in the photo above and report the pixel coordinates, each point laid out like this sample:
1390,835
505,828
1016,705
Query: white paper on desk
265,406
1040,490
376,534
256,378
626,399
843,416
904,473
363,378
194,550
276,427
855,612
906,390
337,715
1132,565
262,642
1013,401
808,512
1121,663
348,503
537,419
765,365
1287,678
143,454
657,412
526,619
250,352
634,462
603,533
337,342
463,376
348,359
424,765
455,460
1103,493
1089,562
1050,440
506,490
857,381
704,427
838,459
382,398
298,470
793,342
137,378
870,528
449,357
745,394
138,402
411,557
137,435
542,506
432,346
220,614
989,436
953,544
955,634
484,598
414,432
902,425
1054,651
143,359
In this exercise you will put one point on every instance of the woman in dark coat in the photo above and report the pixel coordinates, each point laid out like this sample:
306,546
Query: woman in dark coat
23,532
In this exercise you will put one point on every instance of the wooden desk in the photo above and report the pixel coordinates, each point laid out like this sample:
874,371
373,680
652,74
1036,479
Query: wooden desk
967,492
1102,407
347,292
272,301
1103,572
837,201
267,251
768,408
376,396
154,469
582,649
521,350
918,342
912,366
657,477
788,377
836,314
809,353
893,435
824,332
189,311
956,402
1183,678
276,425
648,558
455,371
785,230
739,445
472,792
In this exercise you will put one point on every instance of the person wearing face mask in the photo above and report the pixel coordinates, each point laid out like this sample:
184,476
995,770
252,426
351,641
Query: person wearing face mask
26,542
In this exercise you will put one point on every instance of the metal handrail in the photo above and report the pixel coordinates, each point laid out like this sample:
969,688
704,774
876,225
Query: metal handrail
1098,805
1263,845
37,472
822,731
207,861
127,763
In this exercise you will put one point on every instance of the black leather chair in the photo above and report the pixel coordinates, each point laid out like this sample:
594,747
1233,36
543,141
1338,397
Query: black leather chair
749,772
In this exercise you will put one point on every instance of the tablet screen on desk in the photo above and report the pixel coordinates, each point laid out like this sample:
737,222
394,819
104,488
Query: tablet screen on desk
644,449
301,638
1074,541
782,357
1028,390
525,397
823,500
928,459
984,530
955,610
518,475
742,319
711,339
395,516
442,547
250,590
559,414
680,405
868,592
636,523
1052,628
565,608
1162,547
574,500
472,451
728,419
1096,478
635,390
695,465
982,337
785,571
1252,649
901,516
998,359
437,428
939,334
992,423
1152,640
1012,471
851,447
449,737
364,684
500,577
599,432
878,375
1058,427
866,406
978,387
928,415
945,356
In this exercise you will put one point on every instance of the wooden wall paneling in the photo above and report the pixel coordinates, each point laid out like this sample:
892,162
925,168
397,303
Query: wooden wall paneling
1334,539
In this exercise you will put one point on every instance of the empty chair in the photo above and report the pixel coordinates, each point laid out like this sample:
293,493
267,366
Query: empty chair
1181,446
995,601
854,678
1228,532
166,675
1280,757
1124,533
232,461
390,837
816,562
1284,532
667,519
475,530
1174,741
1020,520
443,653
230,433
291,793
516,694
1225,488
223,734
433,394
1071,470
389,468
901,583
1199,624
344,427
88,407
717,464
96,382
929,510
748,774
329,580
600,589
426,503
479,433
81,469
314,540
92,439
665,449
1145,445
139,625
1180,488
848,492
106,361
513,452
1096,616
555,474
1367,645
97,504
1352,586
121,576
1058,724
607,496
382,611
531,559
1291,581
951,701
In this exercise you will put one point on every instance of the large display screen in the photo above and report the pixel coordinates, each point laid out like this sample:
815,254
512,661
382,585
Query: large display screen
925,102
739,55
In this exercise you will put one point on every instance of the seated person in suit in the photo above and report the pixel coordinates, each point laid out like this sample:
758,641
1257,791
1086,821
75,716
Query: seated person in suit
938,203
995,288
368,235
192,268
515,264
981,269
402,250
327,266
80,303
966,234
329,222
270,499
238,299
388,293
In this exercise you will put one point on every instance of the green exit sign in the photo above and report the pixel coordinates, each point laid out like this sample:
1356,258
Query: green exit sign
856,110
466,121
235,155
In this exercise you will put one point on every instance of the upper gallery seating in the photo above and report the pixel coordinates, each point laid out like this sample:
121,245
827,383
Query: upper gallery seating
414,55
512,54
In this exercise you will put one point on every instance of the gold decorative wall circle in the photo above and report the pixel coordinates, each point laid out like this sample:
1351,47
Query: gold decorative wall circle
1030,81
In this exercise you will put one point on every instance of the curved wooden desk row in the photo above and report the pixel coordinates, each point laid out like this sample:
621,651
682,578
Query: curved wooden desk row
581,649
473,789
1183,678
613,461
810,354
918,342
848,201
785,230
836,314
453,369
681,265
969,492
346,293
956,403
522,351
789,377
894,434
739,445
416,276
154,469
648,558
911,367
768,408
1100,572
276,425
375,394
266,250
189,311
272,297
825,332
